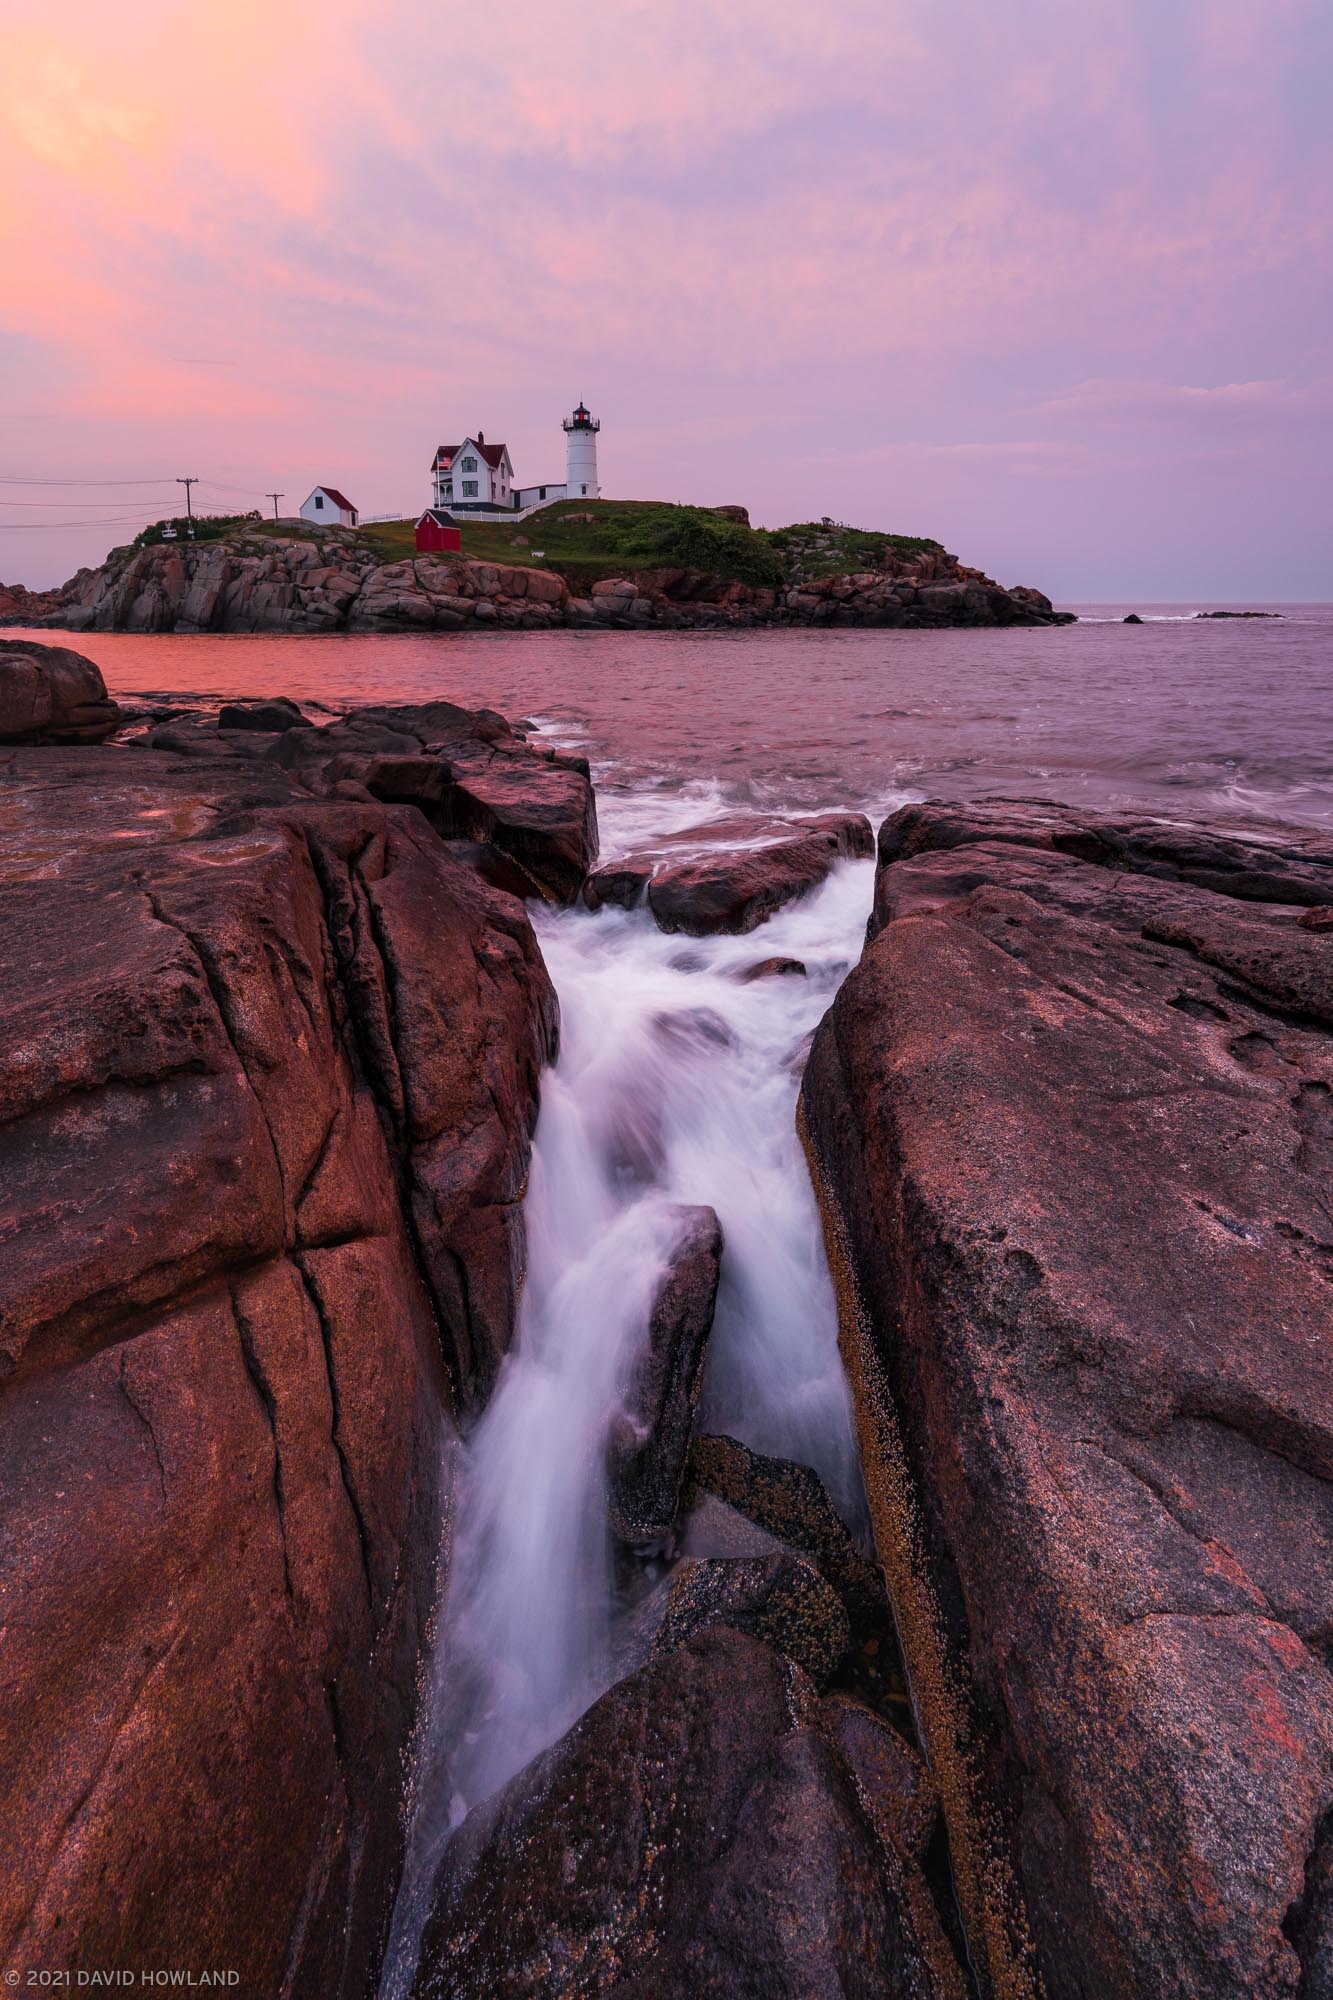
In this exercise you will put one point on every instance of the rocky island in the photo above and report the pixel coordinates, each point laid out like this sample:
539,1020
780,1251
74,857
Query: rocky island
624,565
276,1022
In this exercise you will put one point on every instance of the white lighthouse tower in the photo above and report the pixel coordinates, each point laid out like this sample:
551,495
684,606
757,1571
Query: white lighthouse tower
581,476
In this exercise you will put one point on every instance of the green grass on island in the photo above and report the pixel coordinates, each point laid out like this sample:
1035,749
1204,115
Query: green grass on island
585,540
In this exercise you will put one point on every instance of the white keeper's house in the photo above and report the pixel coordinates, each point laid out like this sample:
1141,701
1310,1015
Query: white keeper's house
474,476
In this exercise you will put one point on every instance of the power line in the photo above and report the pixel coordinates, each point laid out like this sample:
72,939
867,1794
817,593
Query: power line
56,503
15,479
275,497
49,527
187,484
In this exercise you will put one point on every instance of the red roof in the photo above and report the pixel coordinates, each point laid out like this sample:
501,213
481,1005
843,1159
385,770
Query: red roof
338,499
492,453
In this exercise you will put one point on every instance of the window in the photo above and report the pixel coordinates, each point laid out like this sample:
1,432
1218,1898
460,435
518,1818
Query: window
469,488
319,499
469,465
583,489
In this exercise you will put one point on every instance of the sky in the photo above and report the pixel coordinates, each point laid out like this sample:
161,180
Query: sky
1049,282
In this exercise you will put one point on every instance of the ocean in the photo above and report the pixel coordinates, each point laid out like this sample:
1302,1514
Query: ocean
1189,716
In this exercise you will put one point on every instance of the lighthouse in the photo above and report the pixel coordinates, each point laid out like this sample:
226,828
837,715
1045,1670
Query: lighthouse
581,476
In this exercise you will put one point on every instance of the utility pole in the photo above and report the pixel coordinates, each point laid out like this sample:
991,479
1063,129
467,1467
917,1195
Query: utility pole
189,511
274,497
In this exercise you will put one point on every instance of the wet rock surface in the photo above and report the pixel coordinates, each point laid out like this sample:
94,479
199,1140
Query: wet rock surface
49,694
622,887
779,1598
649,1440
524,817
1071,1120
272,716
734,892
772,968
269,1074
742,1502
787,1501
471,775
699,1831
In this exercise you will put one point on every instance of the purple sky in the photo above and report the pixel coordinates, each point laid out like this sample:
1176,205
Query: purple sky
1049,282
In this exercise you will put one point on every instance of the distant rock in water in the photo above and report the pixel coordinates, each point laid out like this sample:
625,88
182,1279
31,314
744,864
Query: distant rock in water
1133,619
1238,614
51,695
342,582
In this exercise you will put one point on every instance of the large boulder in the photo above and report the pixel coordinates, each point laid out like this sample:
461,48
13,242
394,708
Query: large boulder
472,775
49,694
268,1076
649,1439
1070,1119
735,892
702,1830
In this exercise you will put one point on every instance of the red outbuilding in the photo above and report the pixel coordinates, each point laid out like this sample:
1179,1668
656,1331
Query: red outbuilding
436,530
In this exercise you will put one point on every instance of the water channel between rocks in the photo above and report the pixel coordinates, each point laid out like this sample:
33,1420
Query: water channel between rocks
676,1083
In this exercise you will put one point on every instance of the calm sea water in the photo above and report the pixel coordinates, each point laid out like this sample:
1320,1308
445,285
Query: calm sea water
1179,714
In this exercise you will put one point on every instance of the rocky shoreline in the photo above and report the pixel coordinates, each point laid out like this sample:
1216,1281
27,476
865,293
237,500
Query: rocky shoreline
333,582
275,1023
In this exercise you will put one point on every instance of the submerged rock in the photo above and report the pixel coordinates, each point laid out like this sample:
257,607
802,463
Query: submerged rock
772,968
49,694
731,892
268,1076
622,887
649,1439
1071,1120
698,1832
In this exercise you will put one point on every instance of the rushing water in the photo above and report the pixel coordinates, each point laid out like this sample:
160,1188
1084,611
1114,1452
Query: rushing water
676,1083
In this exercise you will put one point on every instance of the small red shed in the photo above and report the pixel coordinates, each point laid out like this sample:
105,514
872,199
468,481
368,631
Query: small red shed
436,530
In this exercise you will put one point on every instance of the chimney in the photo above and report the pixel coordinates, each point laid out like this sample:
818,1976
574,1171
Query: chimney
481,437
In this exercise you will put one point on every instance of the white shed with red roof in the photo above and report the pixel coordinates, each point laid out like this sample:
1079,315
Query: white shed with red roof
328,508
